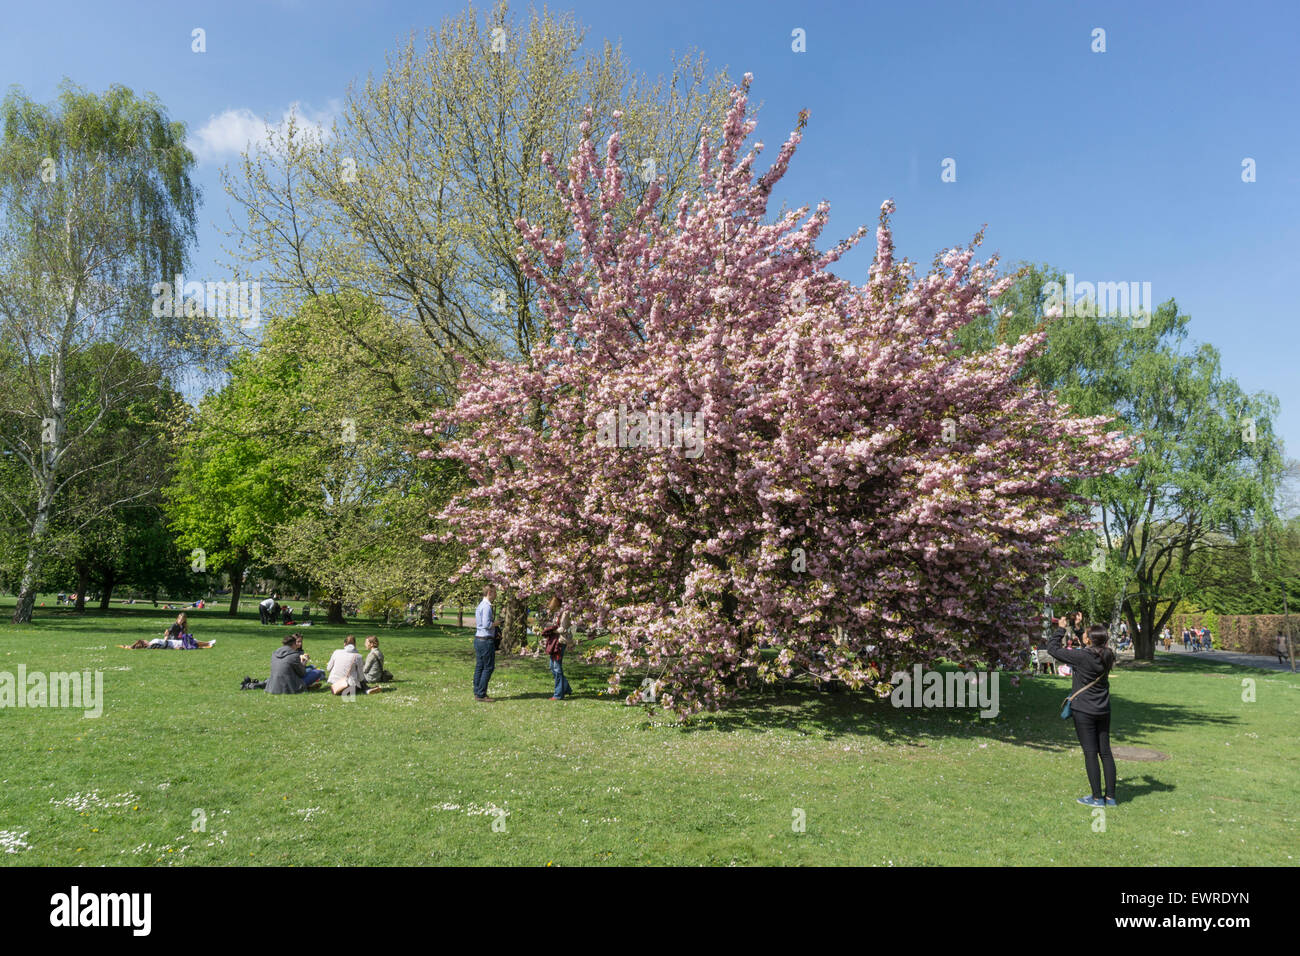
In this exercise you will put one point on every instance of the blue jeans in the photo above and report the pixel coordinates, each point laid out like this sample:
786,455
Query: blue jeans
485,662
562,688
313,675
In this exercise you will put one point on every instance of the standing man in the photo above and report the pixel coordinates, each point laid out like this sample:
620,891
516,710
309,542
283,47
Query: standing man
485,645
264,610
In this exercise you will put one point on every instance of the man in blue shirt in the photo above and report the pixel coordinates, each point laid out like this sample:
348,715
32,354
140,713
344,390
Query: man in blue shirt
485,646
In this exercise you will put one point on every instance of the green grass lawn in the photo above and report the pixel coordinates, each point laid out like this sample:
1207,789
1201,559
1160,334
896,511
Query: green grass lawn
418,775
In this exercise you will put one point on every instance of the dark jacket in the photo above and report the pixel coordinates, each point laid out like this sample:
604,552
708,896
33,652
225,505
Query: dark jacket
287,671
1084,666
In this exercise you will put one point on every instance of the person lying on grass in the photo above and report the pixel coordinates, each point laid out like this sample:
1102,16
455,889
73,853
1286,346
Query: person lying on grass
176,637
344,669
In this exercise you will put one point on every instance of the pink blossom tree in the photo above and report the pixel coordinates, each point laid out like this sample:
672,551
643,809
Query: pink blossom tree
743,467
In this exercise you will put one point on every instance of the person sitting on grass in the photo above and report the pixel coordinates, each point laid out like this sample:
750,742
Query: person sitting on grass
289,671
344,669
373,671
314,674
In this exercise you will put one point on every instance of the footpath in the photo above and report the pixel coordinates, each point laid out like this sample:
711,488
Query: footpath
1268,663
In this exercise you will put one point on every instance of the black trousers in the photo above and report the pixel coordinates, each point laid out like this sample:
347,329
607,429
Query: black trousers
1094,737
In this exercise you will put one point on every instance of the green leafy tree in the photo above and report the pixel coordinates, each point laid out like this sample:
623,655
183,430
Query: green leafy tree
361,498
232,482
1208,461
415,198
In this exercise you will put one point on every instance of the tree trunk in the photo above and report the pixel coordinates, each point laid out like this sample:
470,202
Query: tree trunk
1144,642
48,474
107,595
27,589
335,613
426,612
83,583
514,623
460,616
35,552
236,588
1047,613
1286,624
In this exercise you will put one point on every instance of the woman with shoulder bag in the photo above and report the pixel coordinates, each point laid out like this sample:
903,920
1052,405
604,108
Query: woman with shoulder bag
556,638
1089,705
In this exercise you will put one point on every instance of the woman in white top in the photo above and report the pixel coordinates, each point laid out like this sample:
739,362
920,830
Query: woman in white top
344,670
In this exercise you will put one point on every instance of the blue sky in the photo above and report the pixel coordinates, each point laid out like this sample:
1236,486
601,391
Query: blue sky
1116,166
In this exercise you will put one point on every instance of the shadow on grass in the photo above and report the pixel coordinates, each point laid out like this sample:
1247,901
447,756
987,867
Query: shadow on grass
1028,716
1182,663
1137,787
216,617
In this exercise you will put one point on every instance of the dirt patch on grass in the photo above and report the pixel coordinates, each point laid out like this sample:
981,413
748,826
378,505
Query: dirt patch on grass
1137,753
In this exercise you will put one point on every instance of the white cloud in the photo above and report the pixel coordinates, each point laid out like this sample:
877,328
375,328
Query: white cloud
229,134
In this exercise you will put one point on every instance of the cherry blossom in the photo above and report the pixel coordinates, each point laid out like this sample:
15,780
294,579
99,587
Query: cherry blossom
824,525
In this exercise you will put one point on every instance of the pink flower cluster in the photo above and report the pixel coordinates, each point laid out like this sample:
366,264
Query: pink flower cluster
827,526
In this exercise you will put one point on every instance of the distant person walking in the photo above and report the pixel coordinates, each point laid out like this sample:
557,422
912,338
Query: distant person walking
1090,707
485,643
1187,639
